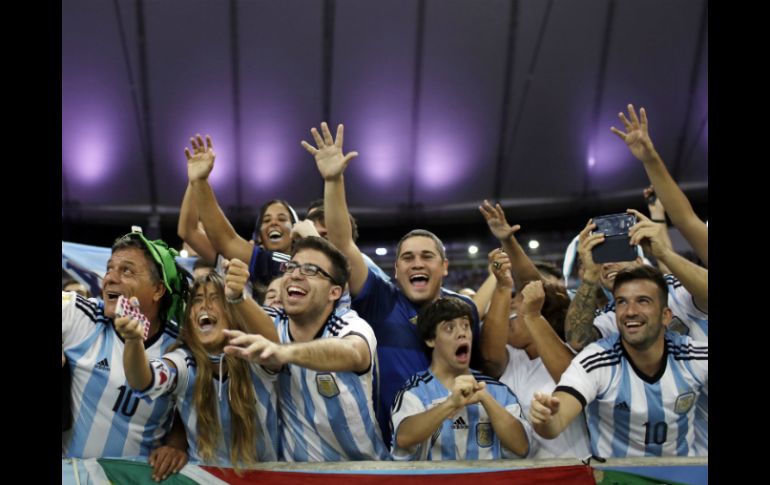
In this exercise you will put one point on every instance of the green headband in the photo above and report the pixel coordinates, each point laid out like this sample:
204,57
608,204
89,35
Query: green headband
172,280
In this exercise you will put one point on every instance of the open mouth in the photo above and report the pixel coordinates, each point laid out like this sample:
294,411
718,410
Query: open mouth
419,280
275,235
463,353
633,325
113,296
295,292
206,322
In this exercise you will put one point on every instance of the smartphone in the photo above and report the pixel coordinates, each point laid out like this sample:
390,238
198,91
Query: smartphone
616,245
126,307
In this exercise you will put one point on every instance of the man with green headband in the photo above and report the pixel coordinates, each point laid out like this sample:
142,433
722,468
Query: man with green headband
109,420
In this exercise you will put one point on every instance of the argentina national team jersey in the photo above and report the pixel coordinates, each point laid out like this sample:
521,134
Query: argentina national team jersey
630,414
109,420
328,416
468,435
400,350
266,417
688,320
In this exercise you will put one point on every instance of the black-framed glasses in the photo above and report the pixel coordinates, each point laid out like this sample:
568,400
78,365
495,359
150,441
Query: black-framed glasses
307,269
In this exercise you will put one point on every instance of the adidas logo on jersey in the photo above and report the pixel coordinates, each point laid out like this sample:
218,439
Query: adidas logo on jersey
103,364
460,423
622,406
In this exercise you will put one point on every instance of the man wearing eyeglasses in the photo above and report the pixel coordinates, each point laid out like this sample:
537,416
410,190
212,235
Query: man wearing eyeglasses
325,361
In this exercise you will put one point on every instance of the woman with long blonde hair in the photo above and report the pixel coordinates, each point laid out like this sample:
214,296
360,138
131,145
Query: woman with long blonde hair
228,406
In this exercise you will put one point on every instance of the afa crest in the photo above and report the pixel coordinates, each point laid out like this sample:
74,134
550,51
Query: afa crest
684,402
327,386
484,434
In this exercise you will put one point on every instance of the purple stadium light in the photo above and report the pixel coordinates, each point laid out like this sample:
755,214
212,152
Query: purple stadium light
268,154
89,144
444,155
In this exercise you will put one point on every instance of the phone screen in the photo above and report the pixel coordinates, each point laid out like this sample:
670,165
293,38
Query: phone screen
614,224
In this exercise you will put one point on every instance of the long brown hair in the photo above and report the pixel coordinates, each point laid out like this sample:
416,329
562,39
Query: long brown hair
242,398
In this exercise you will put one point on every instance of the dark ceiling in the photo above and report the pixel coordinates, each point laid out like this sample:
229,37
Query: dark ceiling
448,102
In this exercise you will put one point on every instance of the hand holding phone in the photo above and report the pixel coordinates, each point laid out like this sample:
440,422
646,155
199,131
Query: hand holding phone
130,308
616,246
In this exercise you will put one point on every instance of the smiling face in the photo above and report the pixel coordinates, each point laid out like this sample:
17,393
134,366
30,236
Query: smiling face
641,315
275,228
309,295
420,269
273,297
208,317
129,273
452,345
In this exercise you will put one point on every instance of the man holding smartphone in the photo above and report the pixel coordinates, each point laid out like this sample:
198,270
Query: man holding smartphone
687,297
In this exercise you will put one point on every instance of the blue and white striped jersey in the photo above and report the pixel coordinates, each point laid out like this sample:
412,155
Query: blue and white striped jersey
268,437
468,435
630,414
688,320
525,377
328,416
108,418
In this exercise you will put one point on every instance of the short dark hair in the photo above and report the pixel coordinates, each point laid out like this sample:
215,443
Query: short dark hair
441,310
340,269
315,212
422,233
643,272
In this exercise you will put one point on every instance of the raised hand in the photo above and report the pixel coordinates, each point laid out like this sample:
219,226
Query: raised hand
586,243
328,152
636,135
648,234
500,266
304,229
496,221
129,329
200,162
533,298
235,279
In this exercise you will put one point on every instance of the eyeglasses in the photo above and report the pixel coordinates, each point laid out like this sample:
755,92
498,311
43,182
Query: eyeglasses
307,269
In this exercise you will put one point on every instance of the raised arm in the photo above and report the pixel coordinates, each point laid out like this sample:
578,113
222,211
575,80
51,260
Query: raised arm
350,353
522,268
579,323
484,294
331,164
637,137
494,332
658,216
253,316
694,278
554,353
188,230
550,415
219,231
135,363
